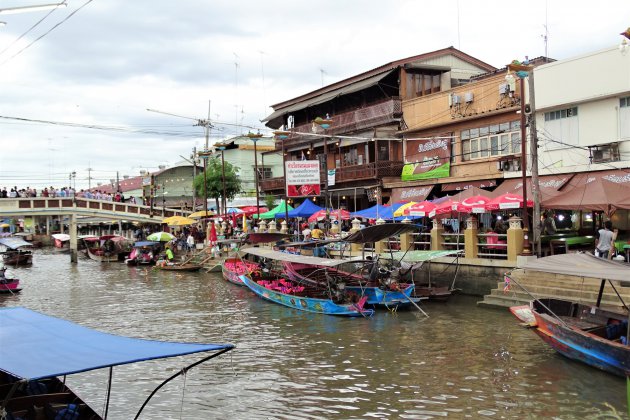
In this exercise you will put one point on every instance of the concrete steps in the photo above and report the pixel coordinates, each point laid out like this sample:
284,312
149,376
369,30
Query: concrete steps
559,286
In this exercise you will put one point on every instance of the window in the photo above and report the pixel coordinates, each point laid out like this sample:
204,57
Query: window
264,173
420,83
624,117
562,125
493,140
604,153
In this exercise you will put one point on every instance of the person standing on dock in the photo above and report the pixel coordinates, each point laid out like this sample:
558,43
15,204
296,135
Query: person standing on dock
604,241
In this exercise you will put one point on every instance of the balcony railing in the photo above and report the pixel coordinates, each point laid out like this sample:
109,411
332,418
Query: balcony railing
370,171
380,113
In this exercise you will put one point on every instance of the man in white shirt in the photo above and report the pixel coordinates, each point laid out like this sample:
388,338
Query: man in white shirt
604,241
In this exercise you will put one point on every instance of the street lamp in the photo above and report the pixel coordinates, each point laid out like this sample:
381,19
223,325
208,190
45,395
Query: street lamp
255,137
522,71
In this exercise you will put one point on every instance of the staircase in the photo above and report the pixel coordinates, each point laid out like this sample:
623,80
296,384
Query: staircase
561,286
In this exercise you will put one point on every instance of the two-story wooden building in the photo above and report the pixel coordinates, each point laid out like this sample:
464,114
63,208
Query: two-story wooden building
363,142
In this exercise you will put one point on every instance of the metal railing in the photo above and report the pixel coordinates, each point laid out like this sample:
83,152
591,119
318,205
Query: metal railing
421,241
492,245
453,241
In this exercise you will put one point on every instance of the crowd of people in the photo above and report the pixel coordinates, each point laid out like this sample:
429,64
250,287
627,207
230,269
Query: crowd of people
53,192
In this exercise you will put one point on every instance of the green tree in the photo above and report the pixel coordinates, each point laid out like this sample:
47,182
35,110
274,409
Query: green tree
270,201
214,180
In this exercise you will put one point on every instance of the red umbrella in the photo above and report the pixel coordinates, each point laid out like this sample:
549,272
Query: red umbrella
422,208
508,201
474,204
249,210
446,207
340,214
213,234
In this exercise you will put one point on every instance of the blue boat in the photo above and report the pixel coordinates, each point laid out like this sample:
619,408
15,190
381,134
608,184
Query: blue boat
306,303
37,349
587,333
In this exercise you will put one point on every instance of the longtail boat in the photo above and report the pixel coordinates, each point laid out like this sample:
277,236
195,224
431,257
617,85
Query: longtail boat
107,248
8,285
29,384
272,284
14,253
590,334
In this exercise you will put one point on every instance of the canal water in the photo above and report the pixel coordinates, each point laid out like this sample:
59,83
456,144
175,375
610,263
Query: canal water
462,362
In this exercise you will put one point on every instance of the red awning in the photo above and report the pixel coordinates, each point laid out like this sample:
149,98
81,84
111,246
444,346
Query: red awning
548,185
604,191
417,193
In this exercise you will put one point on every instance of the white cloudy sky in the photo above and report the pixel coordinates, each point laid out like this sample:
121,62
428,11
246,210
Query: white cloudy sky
113,59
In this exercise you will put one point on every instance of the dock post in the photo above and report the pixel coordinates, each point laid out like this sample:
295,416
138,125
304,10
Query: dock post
471,240
436,235
73,238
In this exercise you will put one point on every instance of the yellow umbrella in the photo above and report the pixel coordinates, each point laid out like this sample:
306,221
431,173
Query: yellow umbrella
401,209
202,213
182,221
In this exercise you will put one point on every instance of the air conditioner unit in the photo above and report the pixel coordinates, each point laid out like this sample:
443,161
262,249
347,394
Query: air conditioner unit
455,100
598,155
499,165
504,89
469,97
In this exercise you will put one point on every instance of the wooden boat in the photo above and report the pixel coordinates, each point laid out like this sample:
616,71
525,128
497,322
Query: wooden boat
273,285
107,248
8,285
33,390
179,267
144,253
61,242
233,268
586,333
381,291
14,253
410,262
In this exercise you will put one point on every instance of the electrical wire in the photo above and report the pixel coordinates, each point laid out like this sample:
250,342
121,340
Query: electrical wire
46,33
28,30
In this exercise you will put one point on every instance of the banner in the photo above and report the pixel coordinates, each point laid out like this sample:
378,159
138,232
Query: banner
431,159
302,178
331,177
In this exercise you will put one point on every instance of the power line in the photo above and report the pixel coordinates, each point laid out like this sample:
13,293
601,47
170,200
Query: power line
46,33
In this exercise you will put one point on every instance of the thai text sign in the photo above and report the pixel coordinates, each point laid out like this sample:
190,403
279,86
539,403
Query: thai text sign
302,178
428,159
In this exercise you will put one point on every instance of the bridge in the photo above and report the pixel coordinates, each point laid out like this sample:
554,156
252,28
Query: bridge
77,208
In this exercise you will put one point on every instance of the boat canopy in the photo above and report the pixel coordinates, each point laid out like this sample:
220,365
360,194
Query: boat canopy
294,258
418,256
14,243
265,237
140,244
379,232
37,346
581,265
61,236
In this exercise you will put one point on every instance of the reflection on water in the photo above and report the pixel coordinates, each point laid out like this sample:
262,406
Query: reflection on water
462,362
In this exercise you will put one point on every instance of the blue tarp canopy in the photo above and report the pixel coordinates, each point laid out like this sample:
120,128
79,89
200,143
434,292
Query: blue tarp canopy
379,212
36,346
14,243
306,209
145,243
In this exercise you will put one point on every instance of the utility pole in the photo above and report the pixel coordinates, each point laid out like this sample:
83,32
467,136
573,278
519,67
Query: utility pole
89,177
533,150
194,159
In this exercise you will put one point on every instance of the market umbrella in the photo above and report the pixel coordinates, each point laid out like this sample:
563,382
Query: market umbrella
234,210
401,210
421,209
213,234
474,204
447,206
249,210
168,220
201,213
160,237
508,201
340,214
183,221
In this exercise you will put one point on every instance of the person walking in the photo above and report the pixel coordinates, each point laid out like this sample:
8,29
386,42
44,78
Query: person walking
190,241
604,241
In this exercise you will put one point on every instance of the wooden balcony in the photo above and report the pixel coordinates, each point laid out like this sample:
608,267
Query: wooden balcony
368,172
380,113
